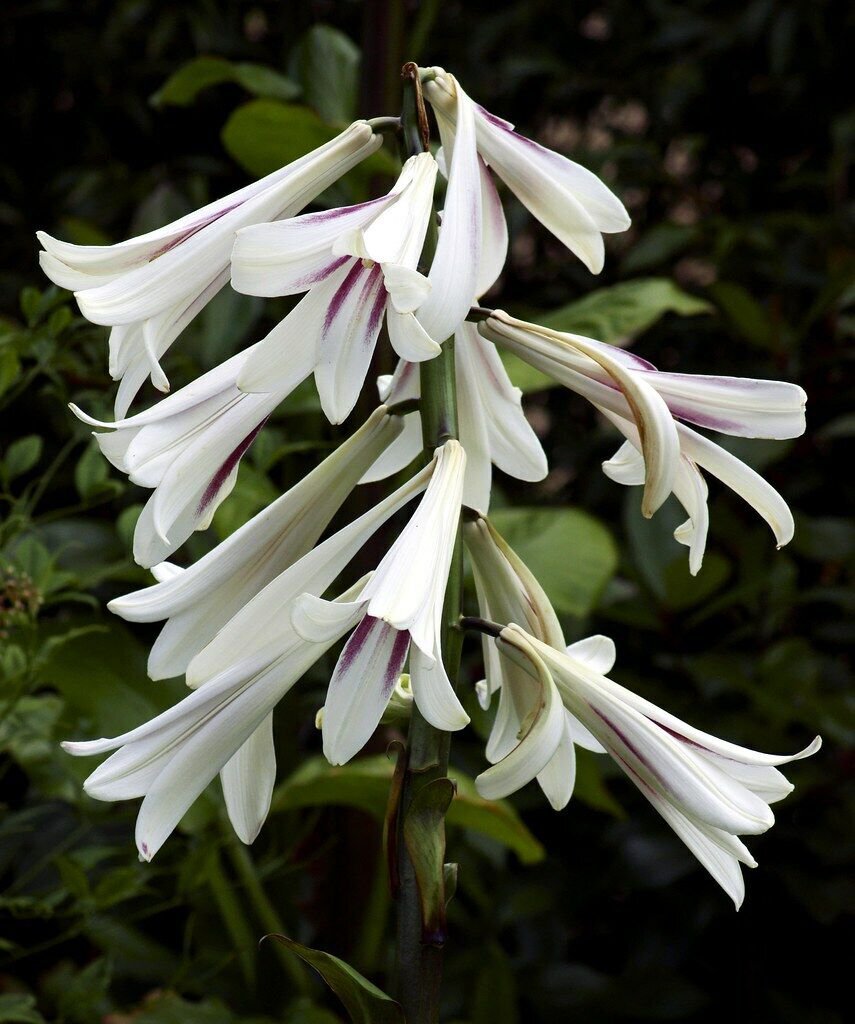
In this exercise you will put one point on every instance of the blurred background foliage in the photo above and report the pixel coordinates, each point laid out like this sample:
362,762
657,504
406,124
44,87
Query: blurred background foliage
727,128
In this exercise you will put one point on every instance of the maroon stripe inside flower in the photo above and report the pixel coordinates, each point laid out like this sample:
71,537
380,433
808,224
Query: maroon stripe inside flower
220,477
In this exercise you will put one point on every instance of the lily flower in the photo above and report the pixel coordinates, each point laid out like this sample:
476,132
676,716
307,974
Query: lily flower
199,600
358,265
149,288
652,409
565,197
400,611
708,790
491,423
187,448
533,735
224,726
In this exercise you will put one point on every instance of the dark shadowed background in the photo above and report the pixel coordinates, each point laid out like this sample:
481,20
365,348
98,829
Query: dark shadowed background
728,130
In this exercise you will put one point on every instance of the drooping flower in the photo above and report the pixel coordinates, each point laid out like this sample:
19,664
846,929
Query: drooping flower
491,423
564,196
708,790
357,265
199,600
238,678
652,409
223,726
187,448
533,735
400,612
149,288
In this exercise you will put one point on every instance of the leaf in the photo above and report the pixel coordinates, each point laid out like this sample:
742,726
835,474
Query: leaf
625,310
613,315
424,836
657,246
364,1002
91,472
571,553
748,318
19,1008
184,85
22,455
495,991
264,135
364,784
327,64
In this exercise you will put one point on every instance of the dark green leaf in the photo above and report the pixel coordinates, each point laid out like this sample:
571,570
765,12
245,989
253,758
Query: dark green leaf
364,1002
182,87
22,455
571,553
19,1008
327,64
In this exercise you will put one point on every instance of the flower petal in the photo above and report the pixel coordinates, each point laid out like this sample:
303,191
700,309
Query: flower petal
433,692
363,680
248,778
456,264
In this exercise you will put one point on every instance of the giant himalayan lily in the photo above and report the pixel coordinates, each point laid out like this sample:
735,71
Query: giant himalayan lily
149,288
567,198
237,679
199,600
401,611
648,407
491,423
708,790
357,265
188,448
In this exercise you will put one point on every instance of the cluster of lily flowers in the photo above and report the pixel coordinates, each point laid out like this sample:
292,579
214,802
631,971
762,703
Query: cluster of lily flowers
248,619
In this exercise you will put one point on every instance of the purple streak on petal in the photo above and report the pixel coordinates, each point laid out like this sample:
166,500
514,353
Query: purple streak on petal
497,121
363,633
343,211
626,742
342,292
220,477
194,229
356,642
379,307
319,275
700,419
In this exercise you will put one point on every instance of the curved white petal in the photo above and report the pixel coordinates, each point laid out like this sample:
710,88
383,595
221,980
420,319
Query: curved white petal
558,778
248,778
541,733
408,587
597,652
433,692
494,234
750,486
456,264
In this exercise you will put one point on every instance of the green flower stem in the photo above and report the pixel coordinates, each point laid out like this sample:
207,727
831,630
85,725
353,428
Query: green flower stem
419,962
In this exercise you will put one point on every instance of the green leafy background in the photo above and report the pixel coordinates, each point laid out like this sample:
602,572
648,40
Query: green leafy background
725,127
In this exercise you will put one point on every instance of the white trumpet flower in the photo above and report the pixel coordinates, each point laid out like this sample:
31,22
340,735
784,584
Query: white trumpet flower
647,406
199,600
358,266
708,790
492,425
401,611
565,197
532,734
188,448
224,726
149,288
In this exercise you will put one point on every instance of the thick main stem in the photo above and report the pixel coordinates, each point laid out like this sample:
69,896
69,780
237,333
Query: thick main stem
419,955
